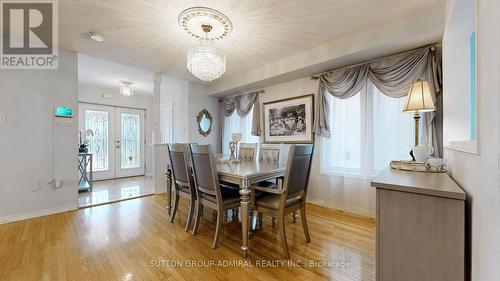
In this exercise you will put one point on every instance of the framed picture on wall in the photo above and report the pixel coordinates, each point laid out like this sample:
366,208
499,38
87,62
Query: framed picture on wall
289,120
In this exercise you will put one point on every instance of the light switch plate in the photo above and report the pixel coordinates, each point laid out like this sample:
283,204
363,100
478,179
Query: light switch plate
61,121
2,118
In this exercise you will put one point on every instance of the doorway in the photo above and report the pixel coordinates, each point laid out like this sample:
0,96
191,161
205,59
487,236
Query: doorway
118,141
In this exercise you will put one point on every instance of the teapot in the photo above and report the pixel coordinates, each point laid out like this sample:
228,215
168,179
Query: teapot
422,152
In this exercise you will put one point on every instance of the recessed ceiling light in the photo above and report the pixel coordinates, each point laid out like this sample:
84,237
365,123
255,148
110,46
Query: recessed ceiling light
96,37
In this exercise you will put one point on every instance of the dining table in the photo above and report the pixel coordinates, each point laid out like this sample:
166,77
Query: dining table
242,174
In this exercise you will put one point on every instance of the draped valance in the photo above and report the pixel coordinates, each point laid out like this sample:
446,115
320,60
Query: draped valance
243,104
392,76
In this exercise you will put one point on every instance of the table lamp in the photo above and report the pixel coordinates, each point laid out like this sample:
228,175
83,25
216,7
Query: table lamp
419,100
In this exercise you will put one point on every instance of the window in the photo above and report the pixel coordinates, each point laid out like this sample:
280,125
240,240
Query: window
368,130
236,124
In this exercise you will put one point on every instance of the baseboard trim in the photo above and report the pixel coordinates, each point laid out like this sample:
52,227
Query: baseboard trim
342,207
38,213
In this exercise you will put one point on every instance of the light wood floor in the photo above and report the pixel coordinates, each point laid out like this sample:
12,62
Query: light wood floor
134,240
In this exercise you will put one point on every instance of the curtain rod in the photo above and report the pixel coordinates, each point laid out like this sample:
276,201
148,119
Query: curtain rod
260,91
433,47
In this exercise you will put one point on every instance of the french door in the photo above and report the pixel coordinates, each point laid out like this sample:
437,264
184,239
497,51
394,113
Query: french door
118,139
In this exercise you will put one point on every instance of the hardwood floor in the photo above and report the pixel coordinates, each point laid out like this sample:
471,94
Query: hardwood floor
134,240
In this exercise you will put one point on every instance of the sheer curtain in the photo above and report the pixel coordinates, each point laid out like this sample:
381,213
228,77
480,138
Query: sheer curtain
368,130
236,124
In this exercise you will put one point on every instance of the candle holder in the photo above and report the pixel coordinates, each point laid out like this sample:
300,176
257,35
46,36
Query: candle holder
233,147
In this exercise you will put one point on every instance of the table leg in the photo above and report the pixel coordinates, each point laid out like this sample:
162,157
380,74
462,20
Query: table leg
91,183
169,190
245,202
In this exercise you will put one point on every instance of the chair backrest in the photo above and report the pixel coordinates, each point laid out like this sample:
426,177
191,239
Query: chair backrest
247,152
270,153
206,179
298,170
284,151
179,161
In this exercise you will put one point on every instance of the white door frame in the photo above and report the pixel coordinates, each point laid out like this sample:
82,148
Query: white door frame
114,128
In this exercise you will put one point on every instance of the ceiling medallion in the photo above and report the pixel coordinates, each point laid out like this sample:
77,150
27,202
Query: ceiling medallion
191,19
204,60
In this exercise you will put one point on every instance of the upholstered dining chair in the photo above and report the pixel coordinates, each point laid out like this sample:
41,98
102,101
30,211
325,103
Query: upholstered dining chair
279,202
247,152
209,192
183,181
269,153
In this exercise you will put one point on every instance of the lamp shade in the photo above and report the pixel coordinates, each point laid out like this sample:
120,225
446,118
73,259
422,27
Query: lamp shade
419,98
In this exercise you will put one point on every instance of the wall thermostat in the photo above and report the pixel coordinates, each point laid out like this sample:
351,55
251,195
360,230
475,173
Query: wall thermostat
63,111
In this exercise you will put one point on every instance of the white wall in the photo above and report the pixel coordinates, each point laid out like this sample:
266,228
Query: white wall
176,91
456,60
478,174
34,151
349,194
94,94
198,100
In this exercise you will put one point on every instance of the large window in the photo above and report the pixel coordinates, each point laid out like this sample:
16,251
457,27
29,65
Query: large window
368,131
236,124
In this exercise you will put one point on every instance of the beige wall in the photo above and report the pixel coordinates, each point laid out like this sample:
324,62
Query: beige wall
478,174
198,100
345,193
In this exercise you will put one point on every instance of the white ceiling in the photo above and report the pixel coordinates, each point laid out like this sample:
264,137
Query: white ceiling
145,34
106,74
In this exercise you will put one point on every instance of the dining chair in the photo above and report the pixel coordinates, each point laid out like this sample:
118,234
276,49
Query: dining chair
247,152
183,181
269,153
279,202
209,192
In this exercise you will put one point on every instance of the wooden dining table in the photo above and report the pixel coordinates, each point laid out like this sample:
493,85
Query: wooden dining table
243,174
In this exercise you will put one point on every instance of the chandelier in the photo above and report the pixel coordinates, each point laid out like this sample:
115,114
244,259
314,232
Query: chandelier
205,61
126,88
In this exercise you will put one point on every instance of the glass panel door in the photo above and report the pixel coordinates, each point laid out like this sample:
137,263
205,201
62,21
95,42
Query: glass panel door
117,143
100,120
130,145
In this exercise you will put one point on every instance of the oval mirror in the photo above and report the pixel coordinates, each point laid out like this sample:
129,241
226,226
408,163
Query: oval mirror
204,120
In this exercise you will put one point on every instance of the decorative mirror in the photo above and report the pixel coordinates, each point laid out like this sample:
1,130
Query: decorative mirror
204,120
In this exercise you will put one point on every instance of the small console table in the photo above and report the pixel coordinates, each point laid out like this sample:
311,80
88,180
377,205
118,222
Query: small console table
85,172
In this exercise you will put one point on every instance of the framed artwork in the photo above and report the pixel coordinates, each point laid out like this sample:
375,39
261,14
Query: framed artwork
289,120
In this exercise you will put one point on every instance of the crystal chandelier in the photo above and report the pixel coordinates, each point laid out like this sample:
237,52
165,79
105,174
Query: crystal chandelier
205,61
127,88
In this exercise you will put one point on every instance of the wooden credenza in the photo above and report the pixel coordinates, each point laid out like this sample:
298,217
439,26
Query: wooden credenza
420,227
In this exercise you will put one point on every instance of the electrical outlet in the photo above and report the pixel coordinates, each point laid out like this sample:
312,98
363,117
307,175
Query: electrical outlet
57,183
2,118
